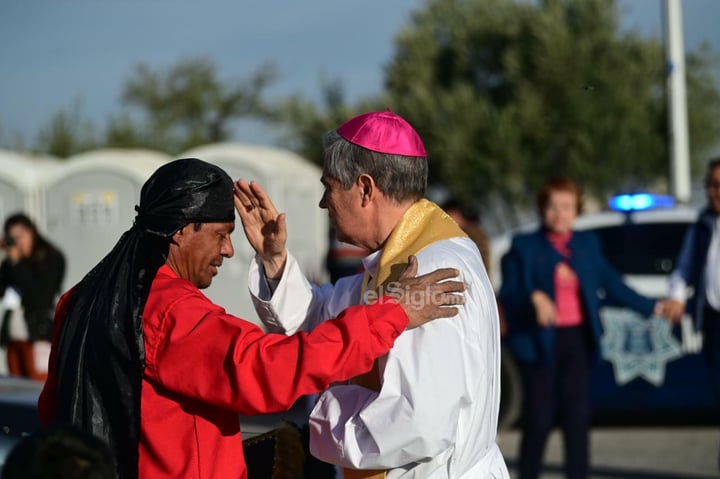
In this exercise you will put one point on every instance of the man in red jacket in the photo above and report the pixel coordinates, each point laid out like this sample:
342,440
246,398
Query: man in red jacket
142,359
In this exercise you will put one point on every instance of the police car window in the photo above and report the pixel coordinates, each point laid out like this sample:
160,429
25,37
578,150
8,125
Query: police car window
642,248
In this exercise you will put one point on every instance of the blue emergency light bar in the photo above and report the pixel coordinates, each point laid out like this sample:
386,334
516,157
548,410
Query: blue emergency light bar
640,202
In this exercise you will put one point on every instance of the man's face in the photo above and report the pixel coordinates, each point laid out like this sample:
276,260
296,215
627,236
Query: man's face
200,253
344,209
712,188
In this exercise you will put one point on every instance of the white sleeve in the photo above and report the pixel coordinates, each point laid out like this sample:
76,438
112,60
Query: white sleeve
407,421
296,304
435,380
677,287
677,283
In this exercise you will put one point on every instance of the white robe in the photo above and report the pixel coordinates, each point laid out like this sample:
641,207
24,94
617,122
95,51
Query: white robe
436,413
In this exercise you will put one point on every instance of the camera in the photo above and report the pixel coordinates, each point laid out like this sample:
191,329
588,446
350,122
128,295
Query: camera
9,241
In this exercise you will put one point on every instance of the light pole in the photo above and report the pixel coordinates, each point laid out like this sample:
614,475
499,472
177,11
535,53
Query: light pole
677,102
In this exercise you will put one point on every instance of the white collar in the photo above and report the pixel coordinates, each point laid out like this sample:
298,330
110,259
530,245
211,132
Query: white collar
370,262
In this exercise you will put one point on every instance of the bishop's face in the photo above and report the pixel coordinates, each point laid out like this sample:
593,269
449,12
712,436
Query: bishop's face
344,208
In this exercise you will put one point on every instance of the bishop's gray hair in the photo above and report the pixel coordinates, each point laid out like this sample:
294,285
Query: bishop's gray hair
400,178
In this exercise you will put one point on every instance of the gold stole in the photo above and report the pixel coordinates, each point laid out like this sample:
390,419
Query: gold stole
422,224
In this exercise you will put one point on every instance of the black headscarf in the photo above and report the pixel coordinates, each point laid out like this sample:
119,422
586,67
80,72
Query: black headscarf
101,354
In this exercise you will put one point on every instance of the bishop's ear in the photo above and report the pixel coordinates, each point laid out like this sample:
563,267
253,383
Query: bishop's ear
367,187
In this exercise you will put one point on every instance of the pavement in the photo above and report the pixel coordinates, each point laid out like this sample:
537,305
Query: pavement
633,453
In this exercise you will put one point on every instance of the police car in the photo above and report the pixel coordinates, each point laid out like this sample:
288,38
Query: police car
18,411
650,371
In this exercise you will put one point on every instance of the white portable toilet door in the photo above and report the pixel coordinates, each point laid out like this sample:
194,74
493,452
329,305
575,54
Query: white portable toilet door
86,215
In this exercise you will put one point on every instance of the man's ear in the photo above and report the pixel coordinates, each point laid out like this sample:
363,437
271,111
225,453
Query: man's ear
179,236
367,186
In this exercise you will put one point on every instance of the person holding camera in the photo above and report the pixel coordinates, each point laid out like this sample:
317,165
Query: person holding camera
33,270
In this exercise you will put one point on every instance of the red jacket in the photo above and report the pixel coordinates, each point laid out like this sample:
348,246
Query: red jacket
204,367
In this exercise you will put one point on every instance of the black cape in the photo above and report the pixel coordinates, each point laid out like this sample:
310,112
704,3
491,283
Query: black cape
101,356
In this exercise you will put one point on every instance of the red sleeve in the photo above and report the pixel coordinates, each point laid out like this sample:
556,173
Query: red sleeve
232,363
46,401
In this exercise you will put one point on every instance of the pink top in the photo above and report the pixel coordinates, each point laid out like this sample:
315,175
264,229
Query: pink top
567,286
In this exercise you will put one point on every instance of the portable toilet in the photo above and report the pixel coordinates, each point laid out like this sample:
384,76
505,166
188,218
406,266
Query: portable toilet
293,184
21,184
90,203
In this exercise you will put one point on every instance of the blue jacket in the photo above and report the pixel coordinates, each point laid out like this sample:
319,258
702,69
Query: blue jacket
692,260
530,265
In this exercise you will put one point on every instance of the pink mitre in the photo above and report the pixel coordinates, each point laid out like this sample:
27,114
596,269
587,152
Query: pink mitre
384,132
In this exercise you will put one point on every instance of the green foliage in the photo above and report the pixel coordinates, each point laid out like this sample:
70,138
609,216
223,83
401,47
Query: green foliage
168,110
504,93
305,123
186,106
703,99
67,134
507,93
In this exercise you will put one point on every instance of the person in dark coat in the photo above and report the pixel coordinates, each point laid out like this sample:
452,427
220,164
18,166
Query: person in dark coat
33,269
698,269
552,278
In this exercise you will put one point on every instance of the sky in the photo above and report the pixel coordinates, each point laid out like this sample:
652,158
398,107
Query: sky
58,53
